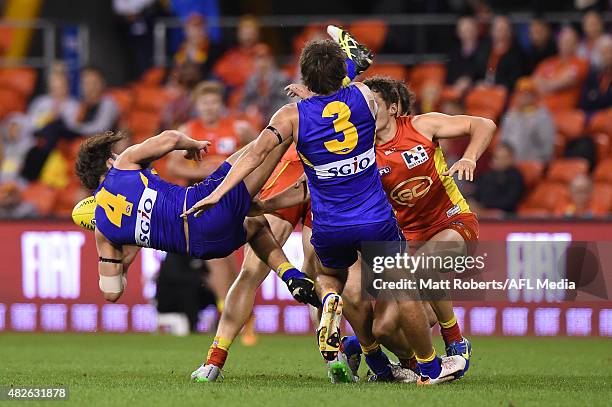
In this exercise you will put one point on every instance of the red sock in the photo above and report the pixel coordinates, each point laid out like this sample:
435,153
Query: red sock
451,334
410,363
217,357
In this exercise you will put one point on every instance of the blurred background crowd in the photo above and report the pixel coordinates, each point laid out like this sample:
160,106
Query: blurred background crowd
218,74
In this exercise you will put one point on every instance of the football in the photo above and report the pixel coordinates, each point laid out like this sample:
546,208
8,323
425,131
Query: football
84,212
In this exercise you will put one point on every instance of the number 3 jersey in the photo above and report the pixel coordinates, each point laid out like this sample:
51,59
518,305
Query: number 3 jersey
336,145
136,207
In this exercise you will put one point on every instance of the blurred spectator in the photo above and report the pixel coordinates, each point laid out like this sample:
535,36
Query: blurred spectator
97,113
559,78
502,186
541,44
597,89
236,65
197,48
55,104
503,57
135,20
16,140
207,8
580,205
11,204
466,63
593,29
264,92
180,107
528,127
226,134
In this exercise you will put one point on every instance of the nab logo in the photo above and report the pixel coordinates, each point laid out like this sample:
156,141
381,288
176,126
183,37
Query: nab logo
384,171
51,264
415,156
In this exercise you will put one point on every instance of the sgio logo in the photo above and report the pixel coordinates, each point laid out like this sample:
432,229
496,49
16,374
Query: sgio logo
408,192
142,233
51,264
346,167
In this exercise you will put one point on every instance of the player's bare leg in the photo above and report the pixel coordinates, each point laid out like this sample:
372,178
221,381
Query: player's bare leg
453,244
239,303
222,273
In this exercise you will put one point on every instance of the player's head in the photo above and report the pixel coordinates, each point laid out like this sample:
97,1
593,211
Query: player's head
322,66
387,99
95,157
407,98
208,101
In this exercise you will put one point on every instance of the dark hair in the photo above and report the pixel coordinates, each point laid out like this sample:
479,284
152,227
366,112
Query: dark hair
92,156
407,98
385,87
322,66
206,88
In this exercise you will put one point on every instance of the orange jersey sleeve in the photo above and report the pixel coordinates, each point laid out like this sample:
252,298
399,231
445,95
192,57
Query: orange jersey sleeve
224,140
411,167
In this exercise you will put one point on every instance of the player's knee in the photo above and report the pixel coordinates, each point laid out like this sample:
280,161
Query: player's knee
255,225
384,327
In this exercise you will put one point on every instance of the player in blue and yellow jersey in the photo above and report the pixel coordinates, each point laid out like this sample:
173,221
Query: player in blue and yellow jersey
136,208
334,132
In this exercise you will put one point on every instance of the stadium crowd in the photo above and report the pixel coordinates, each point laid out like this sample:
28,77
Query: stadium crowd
550,94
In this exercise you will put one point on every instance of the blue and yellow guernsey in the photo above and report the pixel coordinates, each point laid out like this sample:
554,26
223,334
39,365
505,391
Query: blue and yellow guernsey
336,144
137,207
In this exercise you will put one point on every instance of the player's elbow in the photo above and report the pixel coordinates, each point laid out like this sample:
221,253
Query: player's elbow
169,139
488,124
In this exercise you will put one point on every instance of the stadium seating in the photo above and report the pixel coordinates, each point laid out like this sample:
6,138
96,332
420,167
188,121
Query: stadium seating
569,123
21,80
396,71
601,122
544,198
603,172
532,172
372,33
564,170
429,72
490,100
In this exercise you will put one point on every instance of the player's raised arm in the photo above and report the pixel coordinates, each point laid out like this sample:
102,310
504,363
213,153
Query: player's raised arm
142,154
442,126
294,195
279,130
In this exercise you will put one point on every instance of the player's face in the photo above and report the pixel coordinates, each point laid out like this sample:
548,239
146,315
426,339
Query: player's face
384,114
209,107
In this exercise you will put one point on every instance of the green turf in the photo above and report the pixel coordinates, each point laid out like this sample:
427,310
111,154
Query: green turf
135,370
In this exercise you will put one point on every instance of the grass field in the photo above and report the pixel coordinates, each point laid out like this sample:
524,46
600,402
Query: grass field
140,370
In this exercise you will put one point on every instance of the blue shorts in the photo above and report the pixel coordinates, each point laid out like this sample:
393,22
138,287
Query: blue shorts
337,246
220,230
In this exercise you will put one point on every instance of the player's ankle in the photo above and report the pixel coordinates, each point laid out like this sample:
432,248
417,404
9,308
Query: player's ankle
217,357
430,366
377,361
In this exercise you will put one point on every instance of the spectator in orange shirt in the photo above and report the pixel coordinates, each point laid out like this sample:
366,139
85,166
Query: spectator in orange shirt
225,133
581,203
559,79
236,65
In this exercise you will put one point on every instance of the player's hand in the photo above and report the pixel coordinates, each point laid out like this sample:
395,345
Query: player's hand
197,153
298,90
201,206
302,289
464,168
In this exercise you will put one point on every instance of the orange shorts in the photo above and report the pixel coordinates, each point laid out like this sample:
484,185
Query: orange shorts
285,175
466,224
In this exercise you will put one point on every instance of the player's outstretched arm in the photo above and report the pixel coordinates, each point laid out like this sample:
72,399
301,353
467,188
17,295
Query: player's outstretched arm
294,195
110,268
442,126
141,155
279,130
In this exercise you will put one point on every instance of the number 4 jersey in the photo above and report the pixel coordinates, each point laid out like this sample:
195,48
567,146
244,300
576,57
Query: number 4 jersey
136,207
336,144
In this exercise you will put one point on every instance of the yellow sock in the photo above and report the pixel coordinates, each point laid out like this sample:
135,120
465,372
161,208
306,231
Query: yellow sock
449,323
374,347
428,359
220,305
280,270
326,293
